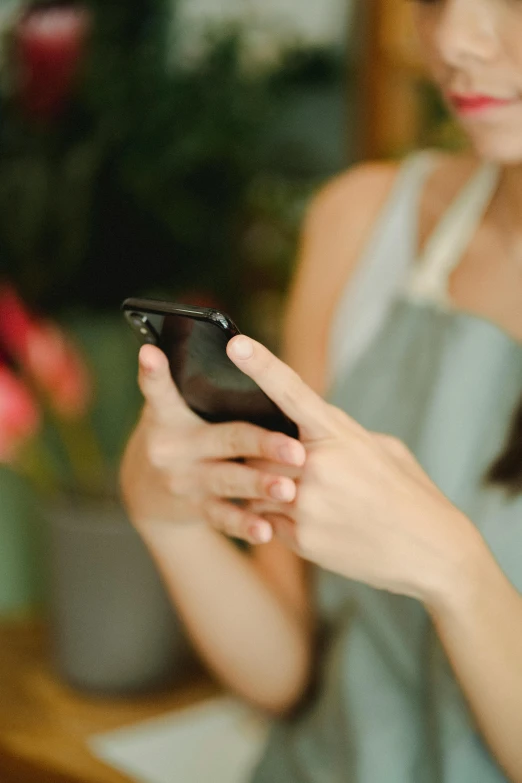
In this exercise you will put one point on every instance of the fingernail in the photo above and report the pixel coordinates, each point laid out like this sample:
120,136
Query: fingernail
242,348
283,490
261,532
145,366
292,453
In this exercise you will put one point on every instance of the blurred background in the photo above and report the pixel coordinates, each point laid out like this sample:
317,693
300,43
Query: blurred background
164,148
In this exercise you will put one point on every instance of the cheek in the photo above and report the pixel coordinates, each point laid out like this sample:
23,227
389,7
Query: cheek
512,48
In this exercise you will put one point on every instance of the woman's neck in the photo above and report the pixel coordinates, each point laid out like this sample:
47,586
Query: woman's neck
509,201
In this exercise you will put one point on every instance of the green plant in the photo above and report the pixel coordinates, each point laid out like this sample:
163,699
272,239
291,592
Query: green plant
45,400
142,181
440,129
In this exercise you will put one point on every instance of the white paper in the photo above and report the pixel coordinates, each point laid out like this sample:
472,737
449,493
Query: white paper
217,741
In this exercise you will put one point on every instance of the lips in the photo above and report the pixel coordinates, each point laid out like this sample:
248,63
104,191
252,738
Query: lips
472,104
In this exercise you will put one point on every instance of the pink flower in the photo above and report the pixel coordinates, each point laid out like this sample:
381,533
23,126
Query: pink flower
19,418
54,363
46,355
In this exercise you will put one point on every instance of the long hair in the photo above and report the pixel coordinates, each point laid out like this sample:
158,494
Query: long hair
507,468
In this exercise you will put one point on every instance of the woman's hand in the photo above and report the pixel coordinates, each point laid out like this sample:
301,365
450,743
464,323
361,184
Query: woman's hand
178,468
364,507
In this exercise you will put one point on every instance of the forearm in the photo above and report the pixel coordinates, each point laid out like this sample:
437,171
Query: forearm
253,642
479,622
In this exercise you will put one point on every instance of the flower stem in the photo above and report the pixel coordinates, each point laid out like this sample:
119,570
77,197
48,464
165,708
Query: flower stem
37,463
84,453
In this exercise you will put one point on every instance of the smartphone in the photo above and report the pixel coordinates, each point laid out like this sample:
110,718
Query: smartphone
194,339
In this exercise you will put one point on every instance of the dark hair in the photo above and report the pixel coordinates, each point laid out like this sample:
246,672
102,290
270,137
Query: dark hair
507,468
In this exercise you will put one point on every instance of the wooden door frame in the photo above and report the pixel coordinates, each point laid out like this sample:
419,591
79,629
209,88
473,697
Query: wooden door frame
390,115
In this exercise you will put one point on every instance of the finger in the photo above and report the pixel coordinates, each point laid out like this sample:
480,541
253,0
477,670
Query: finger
283,386
268,506
237,522
280,519
267,466
285,530
230,480
157,386
235,440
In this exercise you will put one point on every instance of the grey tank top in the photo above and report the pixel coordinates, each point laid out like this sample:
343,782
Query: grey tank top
405,362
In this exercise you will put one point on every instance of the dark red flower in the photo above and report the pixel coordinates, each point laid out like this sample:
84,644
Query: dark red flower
16,322
49,45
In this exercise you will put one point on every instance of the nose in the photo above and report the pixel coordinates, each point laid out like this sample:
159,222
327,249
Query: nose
467,30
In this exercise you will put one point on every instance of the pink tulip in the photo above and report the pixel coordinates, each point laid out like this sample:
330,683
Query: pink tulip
19,418
55,365
46,355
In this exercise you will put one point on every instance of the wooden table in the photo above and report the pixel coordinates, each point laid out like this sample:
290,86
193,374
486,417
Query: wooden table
44,724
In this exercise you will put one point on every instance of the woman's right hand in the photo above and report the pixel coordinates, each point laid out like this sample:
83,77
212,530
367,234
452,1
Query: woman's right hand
177,468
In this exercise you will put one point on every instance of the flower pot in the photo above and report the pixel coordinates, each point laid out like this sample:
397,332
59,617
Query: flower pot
114,629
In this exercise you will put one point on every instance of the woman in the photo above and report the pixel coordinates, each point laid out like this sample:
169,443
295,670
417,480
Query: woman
417,333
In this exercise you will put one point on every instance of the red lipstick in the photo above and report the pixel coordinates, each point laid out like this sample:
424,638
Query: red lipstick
476,104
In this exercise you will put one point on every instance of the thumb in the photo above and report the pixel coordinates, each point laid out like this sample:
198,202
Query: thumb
157,386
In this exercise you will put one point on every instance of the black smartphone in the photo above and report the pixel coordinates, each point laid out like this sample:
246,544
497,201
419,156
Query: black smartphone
194,339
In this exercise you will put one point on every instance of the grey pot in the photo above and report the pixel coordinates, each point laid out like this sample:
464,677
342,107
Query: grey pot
113,628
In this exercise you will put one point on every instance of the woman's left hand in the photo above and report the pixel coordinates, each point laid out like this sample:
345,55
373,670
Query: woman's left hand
365,508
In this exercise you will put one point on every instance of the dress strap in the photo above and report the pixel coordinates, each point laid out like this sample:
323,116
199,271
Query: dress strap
444,249
382,268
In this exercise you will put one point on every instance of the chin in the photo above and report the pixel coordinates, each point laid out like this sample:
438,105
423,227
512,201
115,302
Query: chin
504,149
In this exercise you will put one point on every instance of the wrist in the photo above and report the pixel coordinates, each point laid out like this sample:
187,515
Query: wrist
452,581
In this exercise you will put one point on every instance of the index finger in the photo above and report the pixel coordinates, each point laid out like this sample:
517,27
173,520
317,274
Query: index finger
284,386
157,386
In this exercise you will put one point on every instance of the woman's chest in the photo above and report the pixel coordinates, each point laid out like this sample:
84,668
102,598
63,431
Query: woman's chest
486,278
445,383
488,284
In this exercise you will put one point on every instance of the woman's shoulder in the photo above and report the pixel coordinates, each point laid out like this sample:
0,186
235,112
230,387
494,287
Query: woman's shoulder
369,183
343,212
349,204
337,225
355,189
340,222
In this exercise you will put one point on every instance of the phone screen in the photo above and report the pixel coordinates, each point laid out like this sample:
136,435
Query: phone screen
209,382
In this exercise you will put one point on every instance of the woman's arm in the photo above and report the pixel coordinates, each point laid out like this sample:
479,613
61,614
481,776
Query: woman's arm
250,637
176,474
478,618
365,509
249,616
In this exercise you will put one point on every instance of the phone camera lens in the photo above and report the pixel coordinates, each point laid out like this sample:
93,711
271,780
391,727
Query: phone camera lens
142,325
138,320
